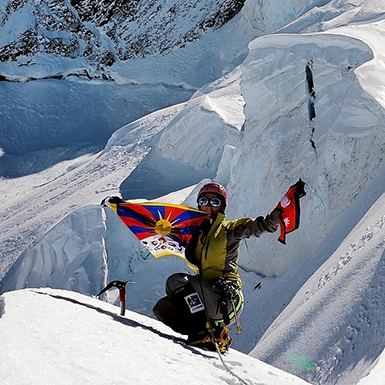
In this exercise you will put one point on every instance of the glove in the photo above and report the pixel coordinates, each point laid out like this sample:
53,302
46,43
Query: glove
229,289
300,188
113,199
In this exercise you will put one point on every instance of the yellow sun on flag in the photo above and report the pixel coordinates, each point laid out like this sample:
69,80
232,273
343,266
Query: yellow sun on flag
164,226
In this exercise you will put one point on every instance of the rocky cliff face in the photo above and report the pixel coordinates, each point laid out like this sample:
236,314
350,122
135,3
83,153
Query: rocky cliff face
106,31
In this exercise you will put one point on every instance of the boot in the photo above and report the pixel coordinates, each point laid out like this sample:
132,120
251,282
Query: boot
204,339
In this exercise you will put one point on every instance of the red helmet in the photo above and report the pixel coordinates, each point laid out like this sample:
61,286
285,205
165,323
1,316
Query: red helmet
215,188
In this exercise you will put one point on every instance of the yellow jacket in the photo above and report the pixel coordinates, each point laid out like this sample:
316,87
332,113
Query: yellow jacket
214,249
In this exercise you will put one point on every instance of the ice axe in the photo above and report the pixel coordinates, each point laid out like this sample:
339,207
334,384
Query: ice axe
121,285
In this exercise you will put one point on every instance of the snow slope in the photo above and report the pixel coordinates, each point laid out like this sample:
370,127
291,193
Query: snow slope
339,310
319,312
60,337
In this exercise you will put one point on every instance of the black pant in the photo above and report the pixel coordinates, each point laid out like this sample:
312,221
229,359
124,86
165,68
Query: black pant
189,302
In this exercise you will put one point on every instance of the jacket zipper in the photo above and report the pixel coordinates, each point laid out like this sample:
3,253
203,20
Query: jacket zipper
207,248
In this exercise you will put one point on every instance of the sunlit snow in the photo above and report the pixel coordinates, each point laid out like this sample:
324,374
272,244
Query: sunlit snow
319,314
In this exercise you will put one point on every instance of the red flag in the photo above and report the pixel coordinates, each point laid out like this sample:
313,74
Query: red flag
290,210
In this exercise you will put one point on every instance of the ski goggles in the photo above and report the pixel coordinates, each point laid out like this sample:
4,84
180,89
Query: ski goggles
214,202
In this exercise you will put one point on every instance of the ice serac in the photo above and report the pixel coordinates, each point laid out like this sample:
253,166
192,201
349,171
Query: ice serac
277,143
207,129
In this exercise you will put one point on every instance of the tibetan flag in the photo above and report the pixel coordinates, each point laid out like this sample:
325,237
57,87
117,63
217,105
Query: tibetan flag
163,228
290,210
